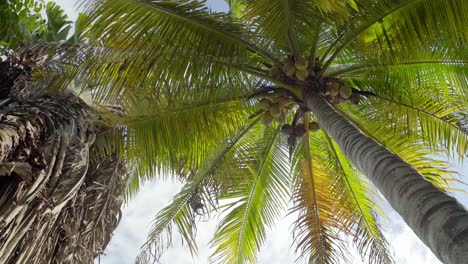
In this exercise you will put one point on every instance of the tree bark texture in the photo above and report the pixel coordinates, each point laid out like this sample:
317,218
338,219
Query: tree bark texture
56,206
436,218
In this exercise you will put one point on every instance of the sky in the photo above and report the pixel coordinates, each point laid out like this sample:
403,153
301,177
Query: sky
153,196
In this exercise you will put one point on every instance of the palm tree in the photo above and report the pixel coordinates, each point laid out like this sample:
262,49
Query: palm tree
342,87
60,193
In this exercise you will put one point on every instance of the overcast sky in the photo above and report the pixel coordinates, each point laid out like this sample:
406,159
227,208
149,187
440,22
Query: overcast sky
139,213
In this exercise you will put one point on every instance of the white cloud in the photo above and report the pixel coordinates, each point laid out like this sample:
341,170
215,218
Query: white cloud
136,221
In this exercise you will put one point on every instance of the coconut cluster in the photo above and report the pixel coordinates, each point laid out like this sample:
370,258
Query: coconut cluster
275,108
338,92
293,68
297,131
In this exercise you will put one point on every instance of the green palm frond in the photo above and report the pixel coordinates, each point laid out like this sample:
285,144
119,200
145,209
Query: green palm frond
316,231
438,126
237,7
58,25
335,196
411,22
317,201
160,132
174,81
136,24
180,211
438,71
134,49
280,19
82,31
109,73
256,200
420,117
425,160
293,26
423,92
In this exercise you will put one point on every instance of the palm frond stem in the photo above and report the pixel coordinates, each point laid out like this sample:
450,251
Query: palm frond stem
417,109
355,68
359,31
249,46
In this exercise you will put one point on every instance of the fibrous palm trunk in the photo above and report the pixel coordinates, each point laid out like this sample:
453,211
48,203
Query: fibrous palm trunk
436,218
55,205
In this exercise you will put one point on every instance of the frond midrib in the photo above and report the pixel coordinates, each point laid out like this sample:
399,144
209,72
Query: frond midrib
312,181
251,194
183,109
414,108
362,29
355,68
251,47
200,179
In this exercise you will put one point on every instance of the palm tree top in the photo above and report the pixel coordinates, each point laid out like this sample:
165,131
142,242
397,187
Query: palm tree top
195,84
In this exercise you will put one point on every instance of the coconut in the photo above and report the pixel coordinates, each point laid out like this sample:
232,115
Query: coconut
302,74
282,101
314,126
287,129
292,141
282,118
275,110
355,99
275,71
333,89
267,118
301,64
289,68
345,91
300,130
265,103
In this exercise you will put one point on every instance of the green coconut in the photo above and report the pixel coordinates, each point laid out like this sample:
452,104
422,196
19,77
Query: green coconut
276,110
282,118
301,64
289,68
267,118
345,91
302,74
333,89
283,101
275,71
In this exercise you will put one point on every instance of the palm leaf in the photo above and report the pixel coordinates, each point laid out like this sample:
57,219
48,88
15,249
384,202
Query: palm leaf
424,119
435,70
58,25
179,212
411,21
290,25
160,135
256,201
135,24
423,159
316,231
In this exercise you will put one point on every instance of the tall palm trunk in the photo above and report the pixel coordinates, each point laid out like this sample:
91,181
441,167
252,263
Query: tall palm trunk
436,218
55,205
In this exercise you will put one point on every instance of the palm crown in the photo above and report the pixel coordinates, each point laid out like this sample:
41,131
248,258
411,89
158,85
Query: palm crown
194,86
